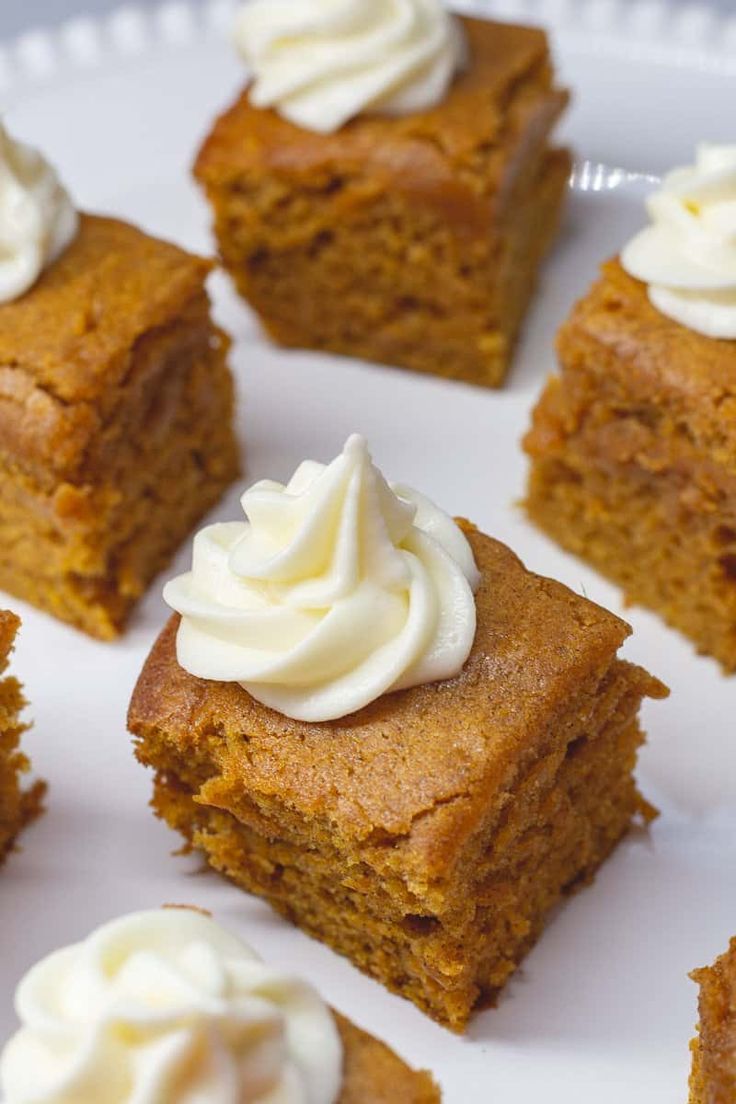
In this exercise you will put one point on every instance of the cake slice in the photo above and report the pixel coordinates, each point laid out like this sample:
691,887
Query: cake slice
633,443
415,240
428,835
116,432
713,1078
17,806
633,453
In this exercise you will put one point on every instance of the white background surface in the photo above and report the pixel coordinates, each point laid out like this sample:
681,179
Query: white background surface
603,1009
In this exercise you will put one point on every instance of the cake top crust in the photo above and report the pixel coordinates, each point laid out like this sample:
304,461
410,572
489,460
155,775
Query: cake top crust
656,358
437,748
72,333
715,1047
69,345
465,155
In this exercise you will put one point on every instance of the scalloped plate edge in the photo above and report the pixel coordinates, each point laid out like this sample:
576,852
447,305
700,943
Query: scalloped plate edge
696,35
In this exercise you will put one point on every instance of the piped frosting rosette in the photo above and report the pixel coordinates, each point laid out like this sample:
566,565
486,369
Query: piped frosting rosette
322,62
37,217
336,590
687,256
166,1007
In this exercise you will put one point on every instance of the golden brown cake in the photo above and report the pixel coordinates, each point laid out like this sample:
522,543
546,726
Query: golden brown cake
428,835
713,1078
373,1074
115,423
17,806
414,241
633,449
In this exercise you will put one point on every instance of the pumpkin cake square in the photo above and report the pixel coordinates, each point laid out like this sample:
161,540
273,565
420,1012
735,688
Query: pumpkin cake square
428,835
17,806
633,443
633,450
713,1078
115,422
412,240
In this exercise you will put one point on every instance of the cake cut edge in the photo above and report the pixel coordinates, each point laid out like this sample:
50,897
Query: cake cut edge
713,1074
18,807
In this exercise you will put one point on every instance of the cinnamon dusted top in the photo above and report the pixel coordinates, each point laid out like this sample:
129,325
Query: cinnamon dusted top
463,156
453,744
67,346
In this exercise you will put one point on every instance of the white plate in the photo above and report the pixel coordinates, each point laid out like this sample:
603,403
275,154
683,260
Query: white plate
602,1009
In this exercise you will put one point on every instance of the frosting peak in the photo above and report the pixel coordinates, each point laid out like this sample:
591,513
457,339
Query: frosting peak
336,590
37,219
322,62
688,255
166,1006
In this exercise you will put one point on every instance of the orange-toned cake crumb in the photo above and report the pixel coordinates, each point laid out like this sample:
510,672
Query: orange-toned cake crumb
373,1074
713,1078
633,449
413,241
17,806
428,835
115,423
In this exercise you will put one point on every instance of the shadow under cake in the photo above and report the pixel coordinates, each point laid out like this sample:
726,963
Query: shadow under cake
17,806
374,1074
413,241
116,434
633,449
428,835
713,1078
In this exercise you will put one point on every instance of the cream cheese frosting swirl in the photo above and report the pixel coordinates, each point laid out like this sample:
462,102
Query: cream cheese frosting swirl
320,63
37,218
166,1007
688,255
337,589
